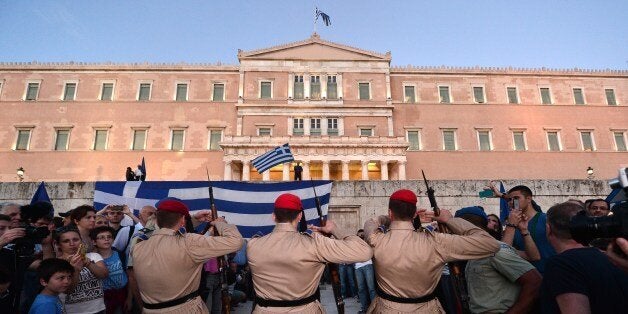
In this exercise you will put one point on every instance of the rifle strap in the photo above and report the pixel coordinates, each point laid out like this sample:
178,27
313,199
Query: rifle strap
396,299
288,303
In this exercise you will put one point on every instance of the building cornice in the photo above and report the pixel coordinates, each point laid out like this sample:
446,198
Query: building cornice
111,66
451,70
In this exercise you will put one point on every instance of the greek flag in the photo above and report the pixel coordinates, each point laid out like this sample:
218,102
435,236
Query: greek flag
272,158
247,205
325,17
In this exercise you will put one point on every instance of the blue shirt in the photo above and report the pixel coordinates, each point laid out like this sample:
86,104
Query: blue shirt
46,304
536,227
117,277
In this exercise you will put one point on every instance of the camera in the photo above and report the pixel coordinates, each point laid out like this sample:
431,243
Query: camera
599,231
25,246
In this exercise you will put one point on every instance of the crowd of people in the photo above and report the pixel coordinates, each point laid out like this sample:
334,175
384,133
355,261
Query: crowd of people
170,260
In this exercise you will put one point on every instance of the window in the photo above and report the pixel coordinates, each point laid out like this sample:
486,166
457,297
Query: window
332,126
315,126
513,97
518,140
32,90
413,140
484,139
553,142
610,97
408,94
266,90
107,91
139,140
144,92
23,139
546,96
219,92
365,91
620,141
443,92
478,94
449,139
332,87
62,139
215,137
298,87
182,92
315,87
297,126
264,132
100,140
69,91
176,140
587,141
366,132
578,96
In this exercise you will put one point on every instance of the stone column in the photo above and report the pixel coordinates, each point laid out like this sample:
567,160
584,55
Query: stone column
325,169
365,170
246,170
286,172
339,86
402,170
266,175
290,87
345,170
383,166
228,174
306,170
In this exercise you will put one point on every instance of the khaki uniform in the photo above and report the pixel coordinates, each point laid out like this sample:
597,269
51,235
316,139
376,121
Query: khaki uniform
287,265
168,265
408,264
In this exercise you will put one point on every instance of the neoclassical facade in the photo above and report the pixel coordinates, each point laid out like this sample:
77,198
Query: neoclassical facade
346,113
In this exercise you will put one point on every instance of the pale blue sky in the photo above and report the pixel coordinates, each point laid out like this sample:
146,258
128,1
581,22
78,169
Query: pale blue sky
532,33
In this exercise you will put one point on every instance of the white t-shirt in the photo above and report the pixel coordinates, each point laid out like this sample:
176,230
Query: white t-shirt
88,296
122,239
358,265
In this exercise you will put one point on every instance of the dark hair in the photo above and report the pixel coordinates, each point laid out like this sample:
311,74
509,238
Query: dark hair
167,219
499,222
80,212
523,189
285,215
50,266
93,234
56,235
478,221
558,217
5,275
588,203
38,210
402,210
58,222
5,217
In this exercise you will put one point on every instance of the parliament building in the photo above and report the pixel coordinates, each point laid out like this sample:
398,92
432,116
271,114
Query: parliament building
346,113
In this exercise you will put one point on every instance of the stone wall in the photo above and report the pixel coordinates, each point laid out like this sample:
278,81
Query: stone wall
363,198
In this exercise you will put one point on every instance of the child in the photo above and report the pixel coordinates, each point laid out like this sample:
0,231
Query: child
55,275
115,284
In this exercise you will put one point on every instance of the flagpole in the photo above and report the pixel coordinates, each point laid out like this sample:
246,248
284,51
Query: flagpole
315,18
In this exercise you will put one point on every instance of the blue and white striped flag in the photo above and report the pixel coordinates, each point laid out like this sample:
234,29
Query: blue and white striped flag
278,155
247,205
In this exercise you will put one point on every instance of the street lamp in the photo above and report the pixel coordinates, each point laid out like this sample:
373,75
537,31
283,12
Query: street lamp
20,173
590,173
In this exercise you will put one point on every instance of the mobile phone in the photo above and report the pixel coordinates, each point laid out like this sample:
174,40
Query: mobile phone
515,204
486,193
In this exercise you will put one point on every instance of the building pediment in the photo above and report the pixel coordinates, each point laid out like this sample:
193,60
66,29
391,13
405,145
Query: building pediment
313,48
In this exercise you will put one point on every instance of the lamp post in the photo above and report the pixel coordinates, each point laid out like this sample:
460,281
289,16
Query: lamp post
20,174
590,175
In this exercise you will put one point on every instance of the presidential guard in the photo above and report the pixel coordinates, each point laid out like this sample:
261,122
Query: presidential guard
408,263
287,265
168,265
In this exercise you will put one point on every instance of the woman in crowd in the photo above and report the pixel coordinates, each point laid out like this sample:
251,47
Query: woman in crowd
495,227
84,219
86,294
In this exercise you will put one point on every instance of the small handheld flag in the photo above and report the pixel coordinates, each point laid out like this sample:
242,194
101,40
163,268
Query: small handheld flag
41,195
503,205
278,155
326,19
143,170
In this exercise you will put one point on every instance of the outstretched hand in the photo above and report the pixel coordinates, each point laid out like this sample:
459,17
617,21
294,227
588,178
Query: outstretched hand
329,228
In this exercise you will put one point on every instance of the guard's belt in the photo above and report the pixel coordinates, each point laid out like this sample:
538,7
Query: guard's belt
288,303
393,298
175,302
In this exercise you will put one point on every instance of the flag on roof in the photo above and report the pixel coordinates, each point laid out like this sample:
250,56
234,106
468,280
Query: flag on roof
326,19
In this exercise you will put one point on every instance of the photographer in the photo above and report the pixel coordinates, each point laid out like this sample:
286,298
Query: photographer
579,279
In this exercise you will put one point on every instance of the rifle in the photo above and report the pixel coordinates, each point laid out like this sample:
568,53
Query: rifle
458,281
333,268
222,261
